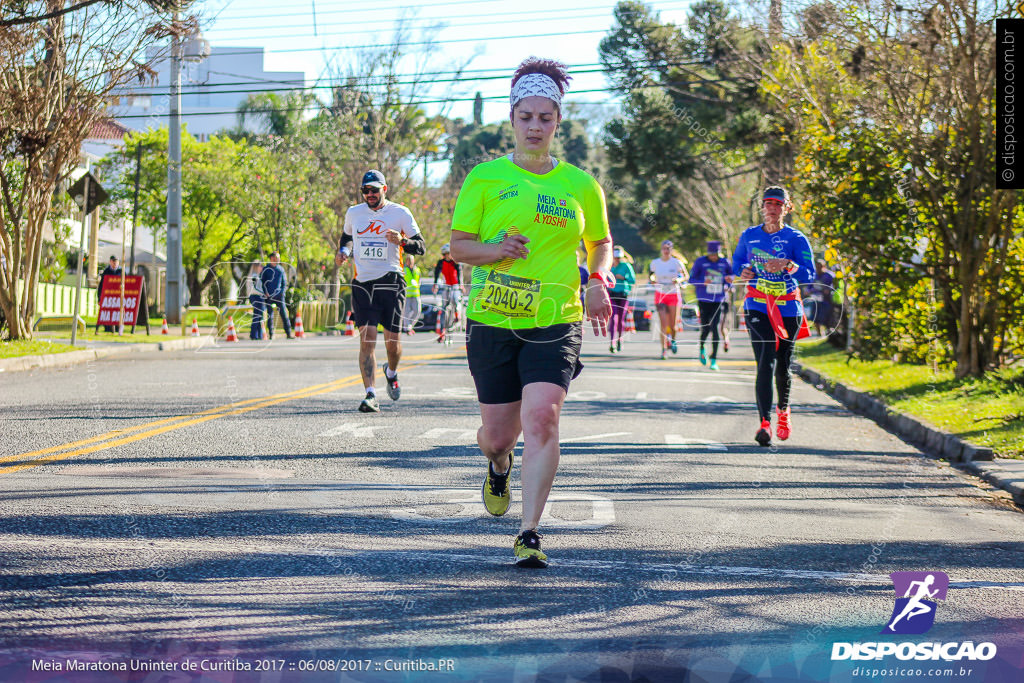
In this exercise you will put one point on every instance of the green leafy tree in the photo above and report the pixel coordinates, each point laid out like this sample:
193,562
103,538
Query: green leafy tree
59,63
217,179
891,111
691,144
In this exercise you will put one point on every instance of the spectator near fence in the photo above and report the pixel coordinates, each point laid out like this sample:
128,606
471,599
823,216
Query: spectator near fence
274,283
112,269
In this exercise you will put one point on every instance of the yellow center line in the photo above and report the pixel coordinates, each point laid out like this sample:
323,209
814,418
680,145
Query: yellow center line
170,424
122,432
170,428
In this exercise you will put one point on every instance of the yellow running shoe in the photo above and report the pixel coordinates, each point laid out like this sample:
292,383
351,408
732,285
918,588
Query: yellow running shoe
527,551
496,491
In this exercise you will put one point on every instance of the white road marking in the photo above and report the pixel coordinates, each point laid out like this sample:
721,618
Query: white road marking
594,436
462,392
718,399
353,429
455,434
585,395
471,508
661,378
881,581
689,442
641,395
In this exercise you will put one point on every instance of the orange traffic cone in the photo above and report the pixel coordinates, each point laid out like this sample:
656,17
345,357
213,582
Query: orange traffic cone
195,327
679,325
743,320
299,333
163,328
350,327
232,335
630,322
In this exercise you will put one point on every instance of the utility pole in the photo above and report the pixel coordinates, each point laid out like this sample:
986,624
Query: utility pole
135,202
175,292
197,50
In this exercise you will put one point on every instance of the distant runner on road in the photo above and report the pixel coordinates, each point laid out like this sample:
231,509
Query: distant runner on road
519,220
375,235
711,276
448,279
774,260
667,274
625,278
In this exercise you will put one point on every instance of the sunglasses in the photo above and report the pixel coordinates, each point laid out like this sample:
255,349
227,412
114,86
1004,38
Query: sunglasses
370,189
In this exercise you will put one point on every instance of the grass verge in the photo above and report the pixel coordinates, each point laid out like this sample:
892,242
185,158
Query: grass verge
987,411
31,347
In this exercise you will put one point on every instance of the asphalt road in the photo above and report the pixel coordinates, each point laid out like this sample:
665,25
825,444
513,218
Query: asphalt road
229,505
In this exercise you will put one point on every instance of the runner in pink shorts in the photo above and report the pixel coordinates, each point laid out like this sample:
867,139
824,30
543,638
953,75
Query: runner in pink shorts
667,272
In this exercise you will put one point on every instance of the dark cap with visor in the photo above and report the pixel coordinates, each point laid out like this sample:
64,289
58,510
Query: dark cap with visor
374,178
776,193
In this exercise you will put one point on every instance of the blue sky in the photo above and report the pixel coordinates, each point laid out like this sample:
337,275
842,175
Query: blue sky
491,34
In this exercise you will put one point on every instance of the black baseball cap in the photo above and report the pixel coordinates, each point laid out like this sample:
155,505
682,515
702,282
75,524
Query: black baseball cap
776,193
375,178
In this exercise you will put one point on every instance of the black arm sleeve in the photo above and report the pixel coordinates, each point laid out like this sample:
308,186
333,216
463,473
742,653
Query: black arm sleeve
415,245
437,270
346,240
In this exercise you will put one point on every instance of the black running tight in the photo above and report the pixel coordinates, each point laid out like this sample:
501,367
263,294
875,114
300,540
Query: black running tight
710,319
771,362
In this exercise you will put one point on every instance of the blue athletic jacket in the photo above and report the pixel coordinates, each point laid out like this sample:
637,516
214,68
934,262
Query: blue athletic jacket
754,249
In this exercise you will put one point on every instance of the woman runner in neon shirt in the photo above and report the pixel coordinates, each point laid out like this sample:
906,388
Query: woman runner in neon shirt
518,221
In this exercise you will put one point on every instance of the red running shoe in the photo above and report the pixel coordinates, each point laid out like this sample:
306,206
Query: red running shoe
764,434
782,429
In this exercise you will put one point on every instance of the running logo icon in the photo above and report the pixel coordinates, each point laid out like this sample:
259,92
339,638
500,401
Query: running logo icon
916,593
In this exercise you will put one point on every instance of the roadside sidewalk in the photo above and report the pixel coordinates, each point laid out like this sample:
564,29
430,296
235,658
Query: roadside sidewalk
1004,473
62,360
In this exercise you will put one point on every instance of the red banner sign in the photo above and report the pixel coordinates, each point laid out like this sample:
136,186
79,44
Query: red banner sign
110,299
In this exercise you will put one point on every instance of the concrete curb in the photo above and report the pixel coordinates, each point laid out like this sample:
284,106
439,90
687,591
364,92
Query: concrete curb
64,360
1005,473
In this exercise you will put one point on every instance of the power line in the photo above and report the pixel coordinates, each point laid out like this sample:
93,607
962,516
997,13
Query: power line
440,20
415,43
366,82
448,100
363,11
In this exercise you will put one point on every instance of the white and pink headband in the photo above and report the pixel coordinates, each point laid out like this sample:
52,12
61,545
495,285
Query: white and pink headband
538,85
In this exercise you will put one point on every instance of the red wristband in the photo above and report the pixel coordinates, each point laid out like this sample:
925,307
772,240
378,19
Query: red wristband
602,277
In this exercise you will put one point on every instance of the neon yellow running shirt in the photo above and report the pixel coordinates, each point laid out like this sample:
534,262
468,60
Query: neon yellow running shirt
554,211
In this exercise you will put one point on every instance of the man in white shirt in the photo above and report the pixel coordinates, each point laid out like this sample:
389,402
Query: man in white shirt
376,235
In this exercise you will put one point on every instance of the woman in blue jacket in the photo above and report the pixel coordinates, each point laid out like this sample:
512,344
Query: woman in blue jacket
774,259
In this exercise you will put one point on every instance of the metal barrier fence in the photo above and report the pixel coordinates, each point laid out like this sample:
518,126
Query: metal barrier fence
315,315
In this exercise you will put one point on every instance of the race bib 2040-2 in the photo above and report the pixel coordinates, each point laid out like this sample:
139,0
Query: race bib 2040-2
509,295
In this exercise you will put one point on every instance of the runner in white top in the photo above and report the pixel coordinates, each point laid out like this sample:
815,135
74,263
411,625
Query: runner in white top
667,272
376,235
374,255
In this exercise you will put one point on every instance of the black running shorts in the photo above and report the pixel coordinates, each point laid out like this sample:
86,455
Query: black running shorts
379,302
502,361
